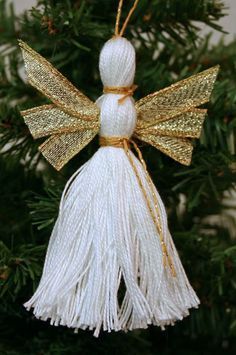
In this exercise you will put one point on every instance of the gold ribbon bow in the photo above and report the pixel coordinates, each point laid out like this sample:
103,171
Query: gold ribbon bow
166,119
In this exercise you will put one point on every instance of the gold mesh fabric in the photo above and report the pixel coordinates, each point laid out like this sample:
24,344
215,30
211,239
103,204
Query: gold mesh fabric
49,119
165,119
73,119
45,78
178,98
187,124
179,149
60,148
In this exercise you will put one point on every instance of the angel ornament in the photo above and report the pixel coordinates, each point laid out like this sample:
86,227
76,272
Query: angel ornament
111,233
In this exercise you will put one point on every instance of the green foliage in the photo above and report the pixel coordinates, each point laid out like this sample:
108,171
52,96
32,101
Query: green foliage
169,47
18,266
44,208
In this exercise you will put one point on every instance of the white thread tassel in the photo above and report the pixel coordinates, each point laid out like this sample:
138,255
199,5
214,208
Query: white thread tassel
104,266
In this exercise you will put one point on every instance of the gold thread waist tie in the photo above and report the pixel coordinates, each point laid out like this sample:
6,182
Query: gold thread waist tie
125,143
122,90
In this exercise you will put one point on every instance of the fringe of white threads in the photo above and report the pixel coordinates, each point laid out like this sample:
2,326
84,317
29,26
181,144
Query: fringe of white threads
105,234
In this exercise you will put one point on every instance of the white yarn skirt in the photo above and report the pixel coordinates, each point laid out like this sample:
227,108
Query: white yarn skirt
104,263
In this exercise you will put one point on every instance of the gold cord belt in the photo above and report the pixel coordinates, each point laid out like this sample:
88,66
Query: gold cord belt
125,143
122,90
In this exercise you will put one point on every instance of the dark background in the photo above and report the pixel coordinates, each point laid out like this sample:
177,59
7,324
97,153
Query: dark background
70,34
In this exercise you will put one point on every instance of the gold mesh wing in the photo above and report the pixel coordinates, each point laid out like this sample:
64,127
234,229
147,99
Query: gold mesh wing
179,149
60,148
72,120
51,83
49,119
167,118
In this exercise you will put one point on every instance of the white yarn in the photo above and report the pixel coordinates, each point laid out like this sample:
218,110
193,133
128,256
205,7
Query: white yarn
117,62
105,236
117,68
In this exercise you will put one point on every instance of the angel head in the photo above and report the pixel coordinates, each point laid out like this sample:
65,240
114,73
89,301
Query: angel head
117,62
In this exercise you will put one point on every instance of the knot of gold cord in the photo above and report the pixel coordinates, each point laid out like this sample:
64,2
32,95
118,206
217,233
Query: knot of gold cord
122,90
117,142
125,143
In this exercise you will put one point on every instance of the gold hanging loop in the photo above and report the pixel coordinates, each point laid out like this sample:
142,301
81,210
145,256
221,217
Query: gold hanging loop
128,18
117,33
118,18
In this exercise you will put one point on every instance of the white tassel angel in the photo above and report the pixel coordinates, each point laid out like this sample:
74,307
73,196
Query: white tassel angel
111,232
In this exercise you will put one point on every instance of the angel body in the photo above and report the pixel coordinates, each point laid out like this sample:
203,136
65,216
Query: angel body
112,232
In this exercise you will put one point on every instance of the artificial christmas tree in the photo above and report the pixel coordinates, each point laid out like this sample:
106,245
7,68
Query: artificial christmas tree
78,31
